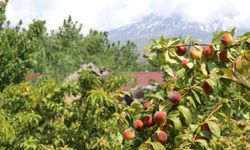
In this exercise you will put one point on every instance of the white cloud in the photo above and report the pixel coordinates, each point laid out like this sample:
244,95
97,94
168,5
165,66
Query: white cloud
109,14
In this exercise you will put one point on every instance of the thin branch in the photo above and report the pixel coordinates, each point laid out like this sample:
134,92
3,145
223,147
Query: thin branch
186,92
235,81
209,116
214,111
195,44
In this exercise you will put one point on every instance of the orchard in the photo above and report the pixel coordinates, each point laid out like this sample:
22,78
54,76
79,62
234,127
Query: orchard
204,102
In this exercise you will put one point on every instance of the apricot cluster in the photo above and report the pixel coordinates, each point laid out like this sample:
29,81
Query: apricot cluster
158,119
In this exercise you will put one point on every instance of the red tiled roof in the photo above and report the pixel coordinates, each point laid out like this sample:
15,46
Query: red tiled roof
32,76
144,78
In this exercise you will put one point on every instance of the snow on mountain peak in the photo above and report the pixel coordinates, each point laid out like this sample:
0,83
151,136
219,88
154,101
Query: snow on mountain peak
154,25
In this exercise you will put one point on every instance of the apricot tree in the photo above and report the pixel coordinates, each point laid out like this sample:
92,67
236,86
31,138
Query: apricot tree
204,102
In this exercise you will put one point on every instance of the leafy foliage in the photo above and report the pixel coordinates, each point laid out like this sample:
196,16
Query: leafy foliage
80,115
16,48
213,112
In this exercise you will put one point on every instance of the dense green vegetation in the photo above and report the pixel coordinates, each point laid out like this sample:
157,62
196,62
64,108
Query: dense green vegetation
63,51
44,118
205,100
203,103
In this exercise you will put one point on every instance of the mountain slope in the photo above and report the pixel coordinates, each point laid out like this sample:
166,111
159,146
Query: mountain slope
153,26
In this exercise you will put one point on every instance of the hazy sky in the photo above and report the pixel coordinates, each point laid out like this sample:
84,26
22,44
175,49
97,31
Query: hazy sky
110,14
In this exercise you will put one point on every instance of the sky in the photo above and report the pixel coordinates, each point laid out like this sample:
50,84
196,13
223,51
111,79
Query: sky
111,14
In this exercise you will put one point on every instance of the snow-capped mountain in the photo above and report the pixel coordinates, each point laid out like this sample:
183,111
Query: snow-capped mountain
154,25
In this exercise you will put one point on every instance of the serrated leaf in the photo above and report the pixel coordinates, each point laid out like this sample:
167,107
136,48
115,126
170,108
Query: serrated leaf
186,114
214,128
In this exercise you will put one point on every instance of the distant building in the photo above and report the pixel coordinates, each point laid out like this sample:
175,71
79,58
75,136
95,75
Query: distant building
144,78
32,76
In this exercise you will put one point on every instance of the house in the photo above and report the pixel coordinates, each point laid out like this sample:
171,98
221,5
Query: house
143,79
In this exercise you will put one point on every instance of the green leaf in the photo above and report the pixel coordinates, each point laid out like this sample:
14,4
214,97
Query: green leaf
187,39
193,127
170,60
174,117
160,95
168,70
203,69
174,113
226,73
203,143
171,43
180,139
165,106
158,146
176,120
212,82
190,65
191,100
136,106
144,146
186,114
177,123
181,73
214,128
205,134
157,95
197,98
233,31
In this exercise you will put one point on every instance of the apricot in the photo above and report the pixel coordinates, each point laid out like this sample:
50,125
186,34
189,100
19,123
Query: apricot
174,97
128,134
160,117
181,49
